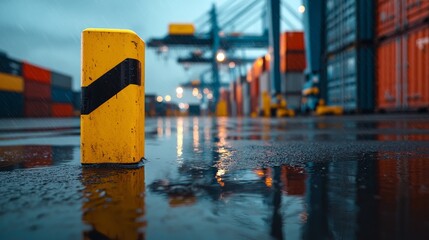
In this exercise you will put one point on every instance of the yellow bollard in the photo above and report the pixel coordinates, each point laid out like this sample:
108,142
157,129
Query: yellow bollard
222,109
266,103
112,120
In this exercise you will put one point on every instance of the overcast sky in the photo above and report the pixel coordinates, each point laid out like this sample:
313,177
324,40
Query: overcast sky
48,32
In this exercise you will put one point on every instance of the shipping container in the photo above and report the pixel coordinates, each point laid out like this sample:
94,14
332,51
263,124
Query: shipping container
246,98
37,108
417,11
239,95
402,71
11,83
388,17
350,80
60,80
61,95
264,87
292,54
348,23
291,41
293,62
35,73
292,82
232,98
37,91
10,66
62,110
11,104
254,94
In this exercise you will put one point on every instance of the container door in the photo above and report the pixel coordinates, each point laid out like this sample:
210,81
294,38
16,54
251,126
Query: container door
416,45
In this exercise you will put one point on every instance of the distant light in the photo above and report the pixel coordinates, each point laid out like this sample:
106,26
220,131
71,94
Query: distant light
163,49
186,106
179,90
209,96
222,34
167,98
220,56
200,96
206,91
159,99
301,9
195,92
181,105
179,95
232,65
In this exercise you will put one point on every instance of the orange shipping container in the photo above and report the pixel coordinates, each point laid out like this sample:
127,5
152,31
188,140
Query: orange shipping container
402,72
35,73
61,110
388,17
417,11
417,68
291,41
293,62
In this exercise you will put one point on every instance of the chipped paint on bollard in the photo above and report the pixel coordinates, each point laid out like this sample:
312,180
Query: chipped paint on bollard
112,120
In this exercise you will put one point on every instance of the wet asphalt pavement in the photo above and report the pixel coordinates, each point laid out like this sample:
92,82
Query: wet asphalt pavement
351,177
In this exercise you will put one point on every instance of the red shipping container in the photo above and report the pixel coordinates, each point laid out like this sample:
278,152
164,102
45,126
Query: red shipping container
291,41
402,71
293,62
417,11
388,17
416,62
37,108
37,91
62,110
35,73
388,75
254,95
239,96
258,67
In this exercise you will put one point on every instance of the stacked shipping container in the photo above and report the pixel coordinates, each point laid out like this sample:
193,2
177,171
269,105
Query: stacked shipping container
292,66
247,92
37,91
11,88
27,90
62,95
349,54
402,54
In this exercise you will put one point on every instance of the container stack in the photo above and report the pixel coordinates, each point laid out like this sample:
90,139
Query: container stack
27,90
62,95
11,88
37,91
402,55
292,66
349,63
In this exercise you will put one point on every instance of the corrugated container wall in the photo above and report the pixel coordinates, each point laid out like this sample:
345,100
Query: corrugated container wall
292,55
348,22
11,104
402,71
10,66
350,79
61,80
349,54
35,73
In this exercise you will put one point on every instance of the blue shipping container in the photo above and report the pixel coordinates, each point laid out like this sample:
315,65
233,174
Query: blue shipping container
350,79
10,66
348,22
11,105
61,95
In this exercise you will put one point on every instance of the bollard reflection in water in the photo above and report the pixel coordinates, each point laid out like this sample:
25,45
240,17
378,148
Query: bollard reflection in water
115,205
